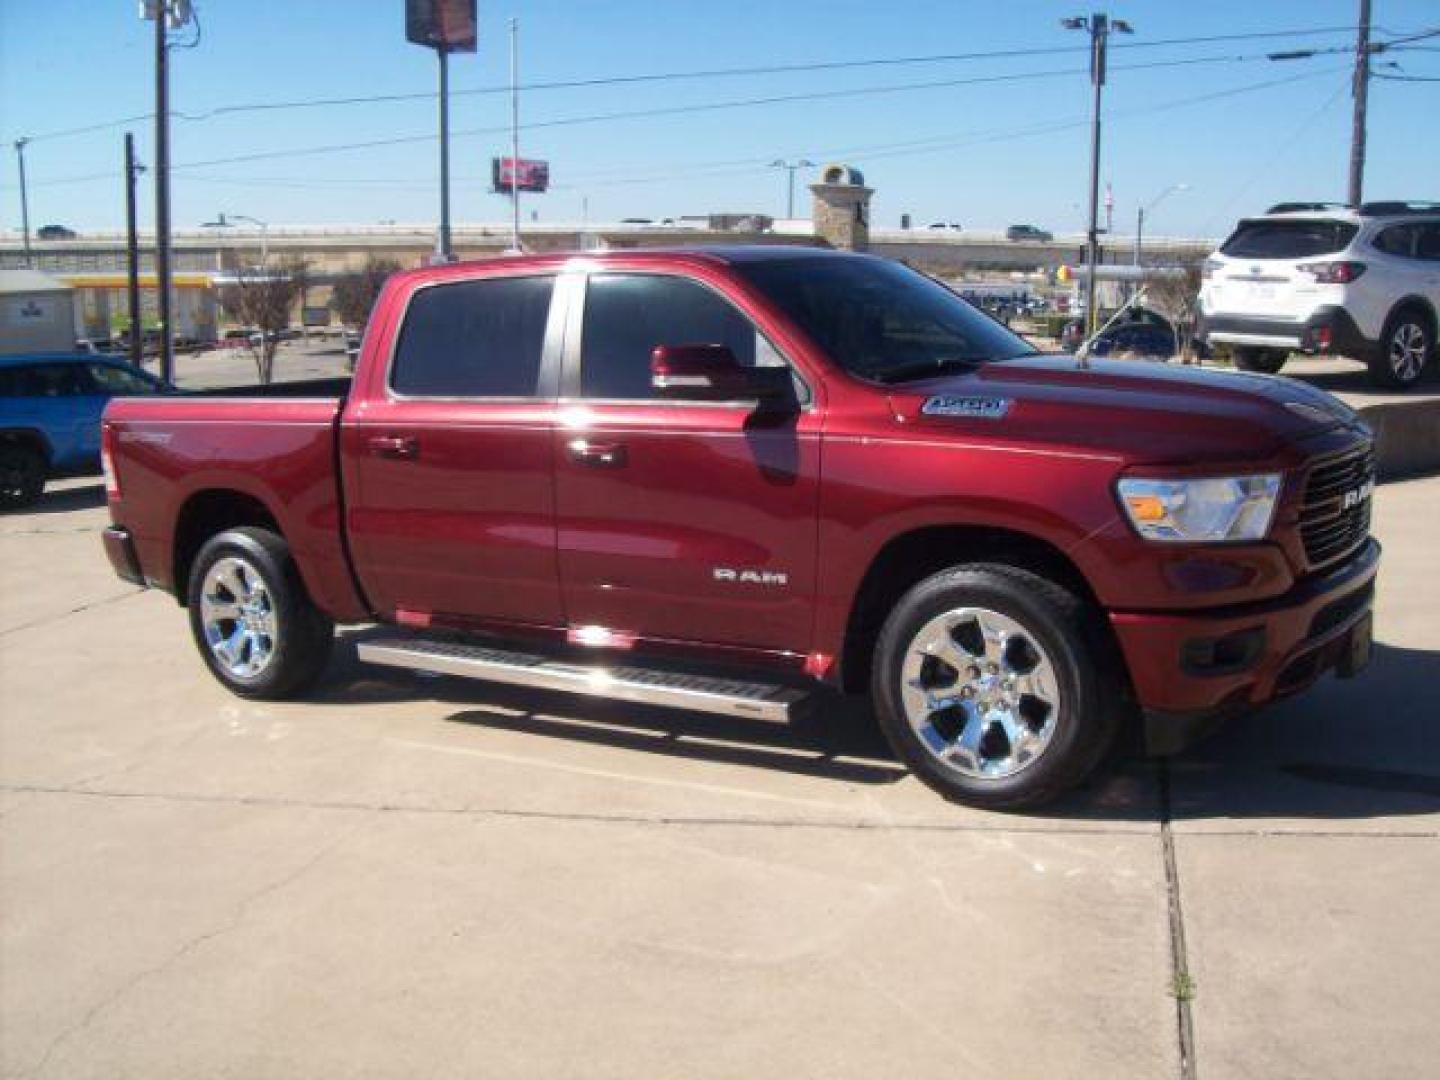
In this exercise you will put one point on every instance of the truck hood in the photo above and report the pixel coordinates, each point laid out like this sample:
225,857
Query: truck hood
1141,411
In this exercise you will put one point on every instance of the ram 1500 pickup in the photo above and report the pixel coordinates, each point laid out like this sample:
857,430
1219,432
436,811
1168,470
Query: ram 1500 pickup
709,479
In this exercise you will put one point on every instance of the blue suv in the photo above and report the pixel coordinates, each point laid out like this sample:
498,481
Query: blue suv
50,408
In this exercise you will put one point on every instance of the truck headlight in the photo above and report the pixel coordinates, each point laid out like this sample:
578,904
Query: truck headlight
1210,510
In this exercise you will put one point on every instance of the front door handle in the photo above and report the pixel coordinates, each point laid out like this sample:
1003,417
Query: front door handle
600,455
393,446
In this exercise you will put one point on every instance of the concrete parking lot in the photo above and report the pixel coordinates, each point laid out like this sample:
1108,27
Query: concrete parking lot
424,877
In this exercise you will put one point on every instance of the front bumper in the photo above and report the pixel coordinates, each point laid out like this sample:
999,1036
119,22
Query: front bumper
1327,330
120,550
1233,659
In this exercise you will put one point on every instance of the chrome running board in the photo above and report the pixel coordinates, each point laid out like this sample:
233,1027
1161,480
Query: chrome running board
649,686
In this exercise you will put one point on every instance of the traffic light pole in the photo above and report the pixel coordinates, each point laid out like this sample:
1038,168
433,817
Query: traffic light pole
445,252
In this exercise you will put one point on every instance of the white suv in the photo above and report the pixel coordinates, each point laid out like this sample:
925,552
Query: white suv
1322,278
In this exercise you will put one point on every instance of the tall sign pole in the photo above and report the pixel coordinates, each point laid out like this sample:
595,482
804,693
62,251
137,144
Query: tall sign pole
444,251
515,134
1362,96
446,26
132,253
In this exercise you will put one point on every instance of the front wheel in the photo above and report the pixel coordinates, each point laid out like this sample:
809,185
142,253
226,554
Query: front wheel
253,622
1265,361
988,684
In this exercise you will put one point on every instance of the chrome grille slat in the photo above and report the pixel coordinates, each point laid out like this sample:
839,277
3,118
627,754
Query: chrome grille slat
1328,529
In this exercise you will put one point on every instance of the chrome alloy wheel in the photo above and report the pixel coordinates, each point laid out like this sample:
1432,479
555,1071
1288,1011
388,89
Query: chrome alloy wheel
980,692
238,617
1407,351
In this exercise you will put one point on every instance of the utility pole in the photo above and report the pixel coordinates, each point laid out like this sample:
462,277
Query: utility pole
132,254
1361,91
790,167
162,16
24,201
515,135
1099,26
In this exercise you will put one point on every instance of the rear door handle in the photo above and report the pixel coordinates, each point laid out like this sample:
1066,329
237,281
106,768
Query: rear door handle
600,455
393,446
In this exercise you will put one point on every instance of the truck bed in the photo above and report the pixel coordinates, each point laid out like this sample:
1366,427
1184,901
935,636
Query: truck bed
171,454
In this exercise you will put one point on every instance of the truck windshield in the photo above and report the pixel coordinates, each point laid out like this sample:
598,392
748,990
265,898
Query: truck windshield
880,320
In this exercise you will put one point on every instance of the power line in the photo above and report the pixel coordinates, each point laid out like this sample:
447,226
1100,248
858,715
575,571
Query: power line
1405,78
672,76
679,110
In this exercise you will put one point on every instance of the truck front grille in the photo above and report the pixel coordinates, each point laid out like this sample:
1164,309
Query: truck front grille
1335,516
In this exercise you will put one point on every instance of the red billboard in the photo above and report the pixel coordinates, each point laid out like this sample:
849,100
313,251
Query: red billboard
527,174
441,24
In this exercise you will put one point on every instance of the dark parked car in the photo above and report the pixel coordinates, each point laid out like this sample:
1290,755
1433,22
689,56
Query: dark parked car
55,232
1028,232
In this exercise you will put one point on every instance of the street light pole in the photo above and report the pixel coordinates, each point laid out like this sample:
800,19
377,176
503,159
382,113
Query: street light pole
1142,209
162,190
24,201
515,134
790,167
1099,26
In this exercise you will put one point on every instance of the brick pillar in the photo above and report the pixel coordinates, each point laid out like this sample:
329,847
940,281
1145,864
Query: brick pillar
842,208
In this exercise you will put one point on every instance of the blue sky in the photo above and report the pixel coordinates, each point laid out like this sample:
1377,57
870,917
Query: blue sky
983,154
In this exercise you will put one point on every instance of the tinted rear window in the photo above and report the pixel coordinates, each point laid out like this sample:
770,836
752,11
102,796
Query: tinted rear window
474,339
1288,239
44,380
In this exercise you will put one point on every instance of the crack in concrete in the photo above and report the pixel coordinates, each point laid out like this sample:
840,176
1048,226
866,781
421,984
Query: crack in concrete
47,620
237,916
1182,985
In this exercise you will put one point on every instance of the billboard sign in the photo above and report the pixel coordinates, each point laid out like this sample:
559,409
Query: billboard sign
507,174
441,24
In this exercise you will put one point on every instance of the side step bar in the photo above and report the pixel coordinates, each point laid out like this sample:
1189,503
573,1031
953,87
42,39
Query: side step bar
650,686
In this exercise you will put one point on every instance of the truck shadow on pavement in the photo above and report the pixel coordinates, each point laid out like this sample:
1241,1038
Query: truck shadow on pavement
63,500
1366,748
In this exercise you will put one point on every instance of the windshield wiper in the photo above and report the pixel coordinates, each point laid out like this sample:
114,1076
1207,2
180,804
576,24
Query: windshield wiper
919,369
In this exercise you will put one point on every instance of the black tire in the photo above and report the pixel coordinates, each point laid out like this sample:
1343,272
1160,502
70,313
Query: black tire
1090,691
22,475
1392,364
300,634
1265,361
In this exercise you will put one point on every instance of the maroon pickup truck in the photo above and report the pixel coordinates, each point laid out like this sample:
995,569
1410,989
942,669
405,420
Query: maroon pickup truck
711,479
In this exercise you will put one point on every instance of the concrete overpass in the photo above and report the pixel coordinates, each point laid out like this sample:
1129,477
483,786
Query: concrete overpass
333,250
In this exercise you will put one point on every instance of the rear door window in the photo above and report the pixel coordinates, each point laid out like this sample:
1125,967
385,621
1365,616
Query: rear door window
1427,245
474,339
1288,239
1397,240
44,380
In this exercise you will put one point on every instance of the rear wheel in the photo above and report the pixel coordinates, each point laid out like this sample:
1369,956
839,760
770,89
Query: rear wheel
1265,361
255,626
988,685
22,475
1407,348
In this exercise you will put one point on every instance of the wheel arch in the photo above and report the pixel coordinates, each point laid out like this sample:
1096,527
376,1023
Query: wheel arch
1412,300
910,557
32,438
207,513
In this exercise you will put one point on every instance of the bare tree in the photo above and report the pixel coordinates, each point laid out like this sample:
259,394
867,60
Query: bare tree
1176,295
354,294
260,300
